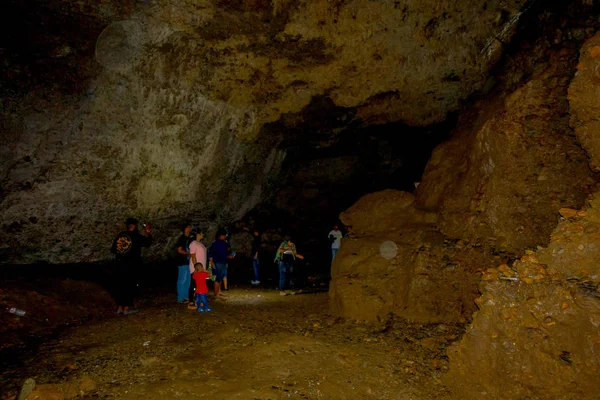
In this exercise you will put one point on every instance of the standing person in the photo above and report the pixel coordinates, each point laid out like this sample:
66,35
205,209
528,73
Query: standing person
255,254
335,237
286,255
200,276
198,255
127,248
218,255
182,258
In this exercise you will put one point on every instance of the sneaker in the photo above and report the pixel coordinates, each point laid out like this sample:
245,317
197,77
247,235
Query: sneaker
253,282
200,310
130,312
282,293
209,310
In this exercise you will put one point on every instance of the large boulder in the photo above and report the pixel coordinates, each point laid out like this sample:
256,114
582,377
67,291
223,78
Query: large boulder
396,261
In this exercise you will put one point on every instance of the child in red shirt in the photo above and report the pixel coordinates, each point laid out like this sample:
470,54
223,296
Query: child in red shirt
200,277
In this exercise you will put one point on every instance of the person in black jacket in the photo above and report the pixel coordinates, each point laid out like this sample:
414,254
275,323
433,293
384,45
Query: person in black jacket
127,248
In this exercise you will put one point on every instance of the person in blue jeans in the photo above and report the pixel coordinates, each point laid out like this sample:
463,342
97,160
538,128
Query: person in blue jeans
200,278
256,257
219,254
182,259
286,255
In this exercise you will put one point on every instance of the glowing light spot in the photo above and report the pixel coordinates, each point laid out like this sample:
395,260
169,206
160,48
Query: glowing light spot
388,250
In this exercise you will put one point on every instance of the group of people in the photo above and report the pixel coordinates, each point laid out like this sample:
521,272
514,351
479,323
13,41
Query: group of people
196,264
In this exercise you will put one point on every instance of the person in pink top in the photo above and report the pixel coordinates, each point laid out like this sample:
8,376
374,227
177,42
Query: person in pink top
198,255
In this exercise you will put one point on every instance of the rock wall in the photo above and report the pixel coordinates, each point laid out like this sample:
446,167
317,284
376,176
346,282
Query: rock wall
512,163
585,101
494,189
166,122
536,332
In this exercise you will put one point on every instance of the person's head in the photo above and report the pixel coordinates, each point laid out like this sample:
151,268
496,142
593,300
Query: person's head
198,235
198,267
335,227
289,238
131,223
186,229
221,235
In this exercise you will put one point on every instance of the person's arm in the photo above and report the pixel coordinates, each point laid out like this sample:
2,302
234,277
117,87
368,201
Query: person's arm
180,250
278,253
295,252
211,262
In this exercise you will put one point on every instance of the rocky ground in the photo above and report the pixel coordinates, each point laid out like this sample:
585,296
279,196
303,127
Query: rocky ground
257,345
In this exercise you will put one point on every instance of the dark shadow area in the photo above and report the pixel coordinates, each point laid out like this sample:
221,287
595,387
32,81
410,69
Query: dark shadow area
325,176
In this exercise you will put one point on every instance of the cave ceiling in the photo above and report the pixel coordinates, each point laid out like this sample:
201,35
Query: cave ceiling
382,61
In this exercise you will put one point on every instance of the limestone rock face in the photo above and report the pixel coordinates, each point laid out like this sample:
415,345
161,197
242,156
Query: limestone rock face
536,332
166,122
381,212
537,335
584,97
396,261
510,166
493,190
271,58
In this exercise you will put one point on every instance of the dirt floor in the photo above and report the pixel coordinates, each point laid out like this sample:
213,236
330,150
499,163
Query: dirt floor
256,345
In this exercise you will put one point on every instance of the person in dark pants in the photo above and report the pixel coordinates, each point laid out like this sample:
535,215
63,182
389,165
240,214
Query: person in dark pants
127,248
219,254
255,254
286,255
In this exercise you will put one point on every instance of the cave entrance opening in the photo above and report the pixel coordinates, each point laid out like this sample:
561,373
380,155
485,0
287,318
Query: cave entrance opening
322,178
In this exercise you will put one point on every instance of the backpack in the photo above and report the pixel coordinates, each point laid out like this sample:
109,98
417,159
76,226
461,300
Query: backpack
123,243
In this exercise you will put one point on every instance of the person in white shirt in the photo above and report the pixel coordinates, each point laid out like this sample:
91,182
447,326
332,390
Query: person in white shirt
335,237
197,255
